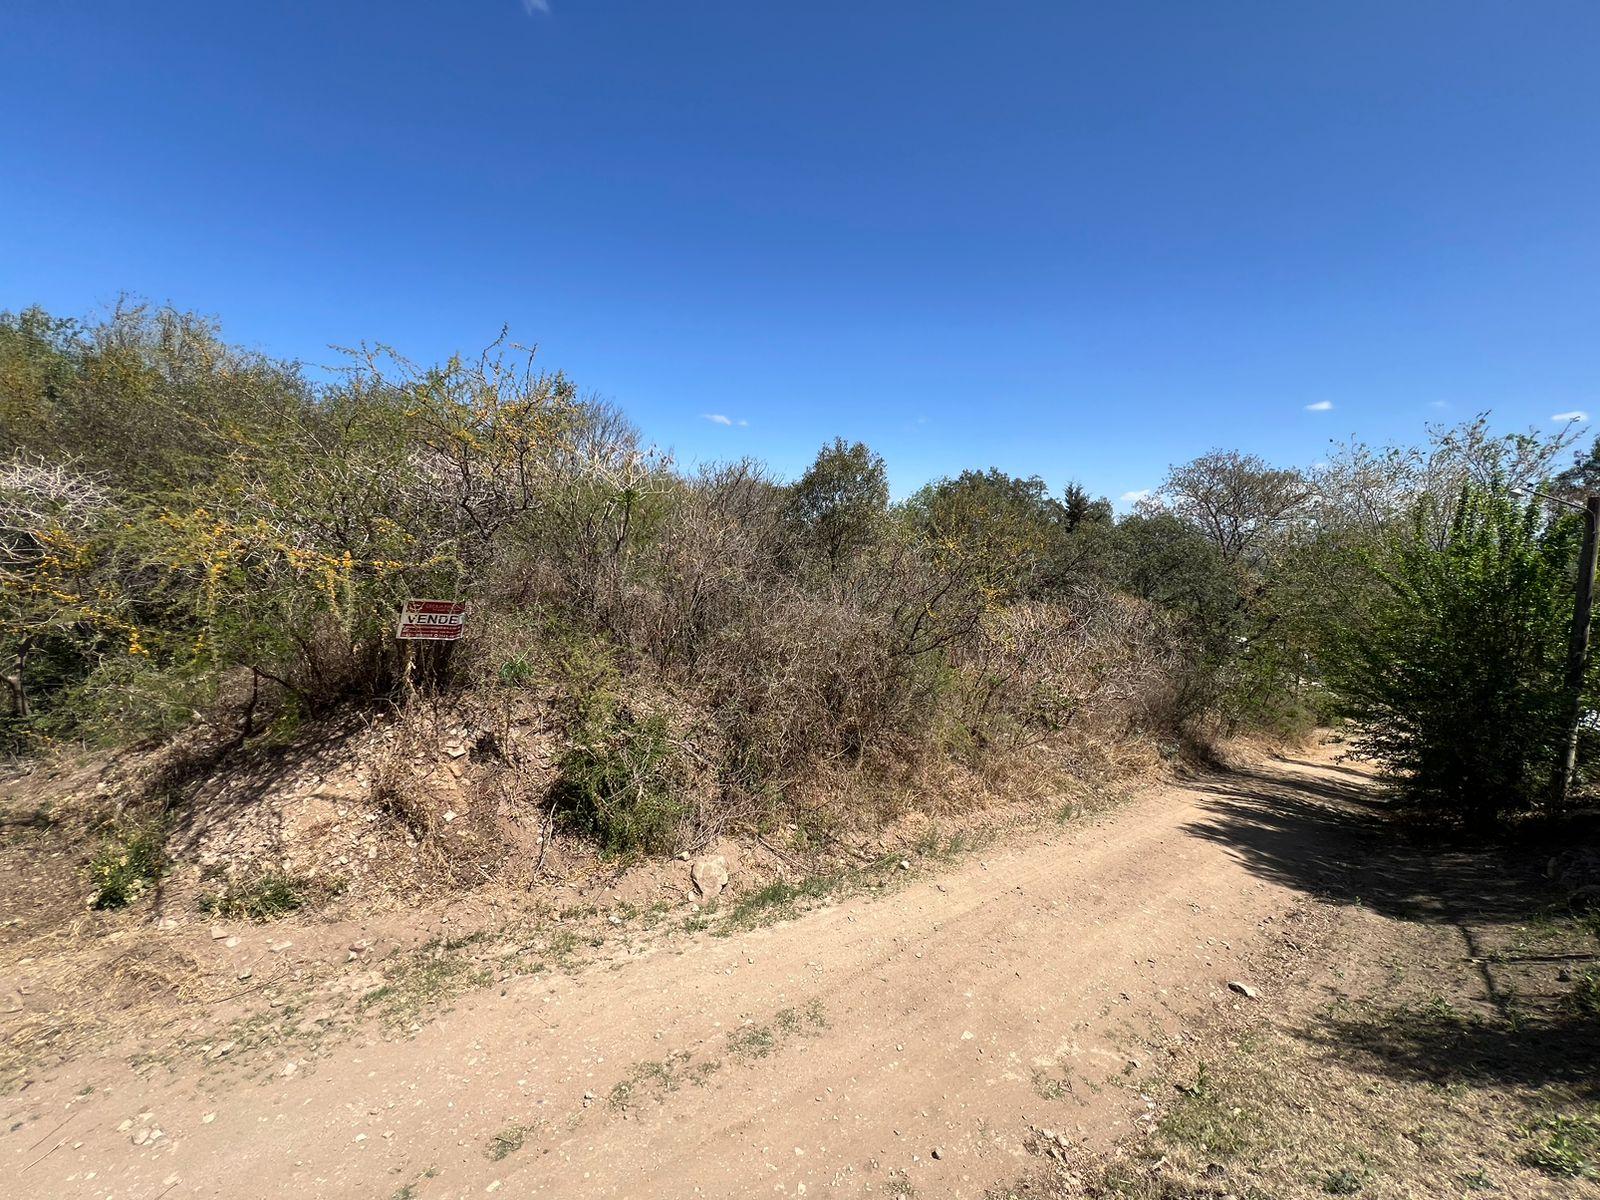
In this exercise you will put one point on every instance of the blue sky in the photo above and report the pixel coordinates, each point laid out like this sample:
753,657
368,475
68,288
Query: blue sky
1077,240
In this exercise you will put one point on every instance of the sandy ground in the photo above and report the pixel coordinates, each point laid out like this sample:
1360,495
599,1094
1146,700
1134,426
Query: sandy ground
910,1043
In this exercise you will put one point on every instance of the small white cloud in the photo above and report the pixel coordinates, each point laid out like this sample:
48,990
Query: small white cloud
1576,414
536,6
716,418
1135,497
741,422
1438,404
1320,406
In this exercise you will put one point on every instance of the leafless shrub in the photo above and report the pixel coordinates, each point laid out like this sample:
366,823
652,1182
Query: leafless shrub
1096,658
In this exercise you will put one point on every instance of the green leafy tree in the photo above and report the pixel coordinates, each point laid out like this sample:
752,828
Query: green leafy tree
835,508
1006,532
1456,679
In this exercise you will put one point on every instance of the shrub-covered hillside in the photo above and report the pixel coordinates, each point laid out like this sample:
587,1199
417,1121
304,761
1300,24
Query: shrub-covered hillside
194,535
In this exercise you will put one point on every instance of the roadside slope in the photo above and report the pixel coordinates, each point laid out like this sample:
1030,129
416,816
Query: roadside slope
832,1054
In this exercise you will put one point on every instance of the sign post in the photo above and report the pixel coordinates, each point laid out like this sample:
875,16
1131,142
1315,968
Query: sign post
429,621
432,620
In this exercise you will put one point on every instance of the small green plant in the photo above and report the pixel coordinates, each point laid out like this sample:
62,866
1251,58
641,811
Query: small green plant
1204,1117
1567,1145
758,1041
269,895
658,1078
516,671
779,900
130,860
425,979
752,1041
1344,1182
810,1019
1051,1087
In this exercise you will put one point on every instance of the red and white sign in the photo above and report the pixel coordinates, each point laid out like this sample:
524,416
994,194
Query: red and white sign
432,620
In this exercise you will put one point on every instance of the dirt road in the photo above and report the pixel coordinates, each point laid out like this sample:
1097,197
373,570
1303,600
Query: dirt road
912,1042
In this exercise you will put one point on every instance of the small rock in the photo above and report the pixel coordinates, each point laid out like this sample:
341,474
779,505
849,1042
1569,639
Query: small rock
218,933
905,864
1244,989
709,876
937,1153
208,1118
141,1137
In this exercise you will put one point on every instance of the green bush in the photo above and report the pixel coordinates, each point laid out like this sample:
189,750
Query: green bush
619,780
1456,681
617,784
270,894
129,862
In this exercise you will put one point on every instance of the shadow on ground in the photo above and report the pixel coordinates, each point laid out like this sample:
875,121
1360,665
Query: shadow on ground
1538,1044
1328,831
1334,836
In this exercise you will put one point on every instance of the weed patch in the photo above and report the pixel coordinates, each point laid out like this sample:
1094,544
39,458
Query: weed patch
269,895
1208,1118
1584,998
757,1041
656,1079
782,900
129,862
1567,1145
423,980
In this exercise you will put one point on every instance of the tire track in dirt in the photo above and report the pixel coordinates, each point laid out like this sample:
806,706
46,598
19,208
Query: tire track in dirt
830,1055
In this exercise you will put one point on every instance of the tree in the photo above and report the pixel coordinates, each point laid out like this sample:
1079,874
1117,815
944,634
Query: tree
1079,508
836,505
1237,500
1004,531
1456,680
1582,478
